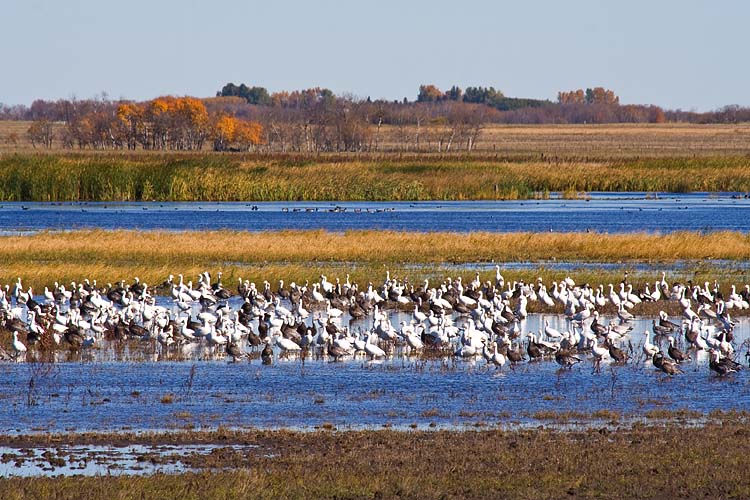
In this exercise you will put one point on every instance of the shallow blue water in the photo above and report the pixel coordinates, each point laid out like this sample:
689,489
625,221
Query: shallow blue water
603,212
105,390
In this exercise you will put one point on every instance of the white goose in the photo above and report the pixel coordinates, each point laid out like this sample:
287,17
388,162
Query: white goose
551,332
372,350
333,312
613,297
599,353
414,342
215,338
498,359
18,345
649,349
418,315
631,297
286,345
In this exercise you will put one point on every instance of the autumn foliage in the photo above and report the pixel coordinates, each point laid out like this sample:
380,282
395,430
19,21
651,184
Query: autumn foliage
597,95
228,130
164,123
183,123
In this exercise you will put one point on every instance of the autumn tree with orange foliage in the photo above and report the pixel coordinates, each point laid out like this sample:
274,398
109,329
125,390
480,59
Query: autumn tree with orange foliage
429,93
247,134
167,122
130,116
596,95
230,133
222,131
572,97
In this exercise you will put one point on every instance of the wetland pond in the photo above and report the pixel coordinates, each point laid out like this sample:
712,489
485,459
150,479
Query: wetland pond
137,386
601,212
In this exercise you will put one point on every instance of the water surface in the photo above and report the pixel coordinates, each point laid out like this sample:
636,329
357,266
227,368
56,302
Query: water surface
602,212
142,387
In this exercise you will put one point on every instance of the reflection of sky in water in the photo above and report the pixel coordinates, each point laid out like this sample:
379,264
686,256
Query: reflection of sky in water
604,212
91,460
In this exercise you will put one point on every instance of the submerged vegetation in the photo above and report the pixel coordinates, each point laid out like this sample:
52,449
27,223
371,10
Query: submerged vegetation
223,177
639,462
109,256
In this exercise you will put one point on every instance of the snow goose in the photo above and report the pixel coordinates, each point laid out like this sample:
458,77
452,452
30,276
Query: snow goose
550,332
18,346
599,353
285,344
624,315
498,359
649,349
214,338
372,350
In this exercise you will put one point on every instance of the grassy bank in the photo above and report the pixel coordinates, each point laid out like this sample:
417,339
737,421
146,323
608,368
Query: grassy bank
638,462
297,256
217,177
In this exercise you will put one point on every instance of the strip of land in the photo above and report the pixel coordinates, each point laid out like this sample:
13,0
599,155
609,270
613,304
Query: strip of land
110,256
224,177
593,141
660,461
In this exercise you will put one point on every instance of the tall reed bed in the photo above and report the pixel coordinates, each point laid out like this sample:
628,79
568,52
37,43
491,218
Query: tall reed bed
224,177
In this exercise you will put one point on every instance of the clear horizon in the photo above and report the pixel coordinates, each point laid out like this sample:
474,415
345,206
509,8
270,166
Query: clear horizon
675,54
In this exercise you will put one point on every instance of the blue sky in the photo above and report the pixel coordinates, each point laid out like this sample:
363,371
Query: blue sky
688,54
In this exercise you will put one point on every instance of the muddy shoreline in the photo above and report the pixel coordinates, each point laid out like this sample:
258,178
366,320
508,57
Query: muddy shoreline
640,461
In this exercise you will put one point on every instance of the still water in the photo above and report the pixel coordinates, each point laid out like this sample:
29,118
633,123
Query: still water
141,387
602,212
96,460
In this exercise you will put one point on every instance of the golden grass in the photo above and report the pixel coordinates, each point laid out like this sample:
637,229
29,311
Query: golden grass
43,258
367,246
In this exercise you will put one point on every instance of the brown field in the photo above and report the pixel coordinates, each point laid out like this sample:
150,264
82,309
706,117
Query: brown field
653,461
590,141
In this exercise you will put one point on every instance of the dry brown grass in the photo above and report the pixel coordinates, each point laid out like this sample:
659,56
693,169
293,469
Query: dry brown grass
168,248
669,461
619,140
106,256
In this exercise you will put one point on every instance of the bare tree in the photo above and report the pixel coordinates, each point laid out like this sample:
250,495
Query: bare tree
41,132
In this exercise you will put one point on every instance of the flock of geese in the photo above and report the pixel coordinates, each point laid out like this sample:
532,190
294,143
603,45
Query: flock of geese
335,319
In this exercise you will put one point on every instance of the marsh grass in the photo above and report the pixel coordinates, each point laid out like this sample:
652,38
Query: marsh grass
217,177
43,258
665,461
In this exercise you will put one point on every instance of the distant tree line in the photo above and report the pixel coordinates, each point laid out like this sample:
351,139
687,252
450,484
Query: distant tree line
243,117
